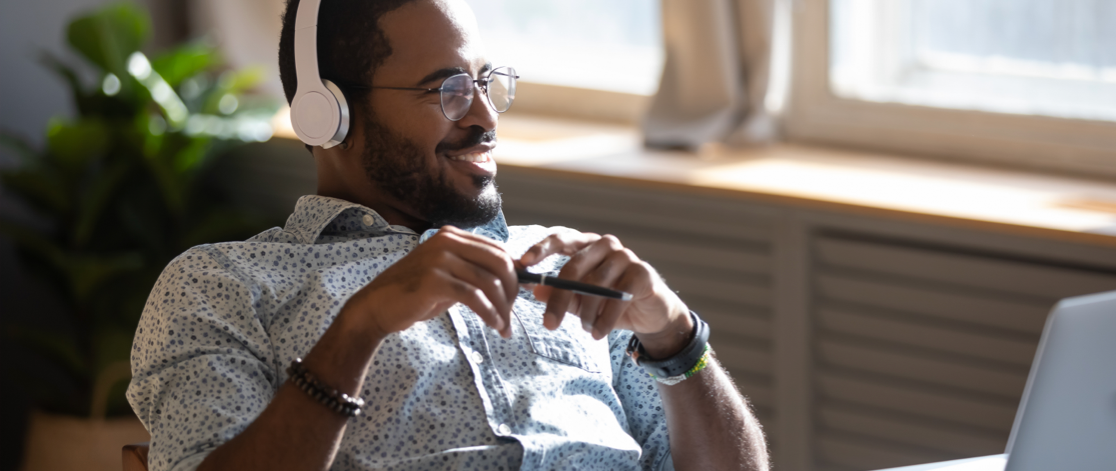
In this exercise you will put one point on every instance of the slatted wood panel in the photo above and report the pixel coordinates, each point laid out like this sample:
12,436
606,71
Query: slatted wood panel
921,353
715,254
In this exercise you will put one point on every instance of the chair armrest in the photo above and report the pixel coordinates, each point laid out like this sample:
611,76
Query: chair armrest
135,456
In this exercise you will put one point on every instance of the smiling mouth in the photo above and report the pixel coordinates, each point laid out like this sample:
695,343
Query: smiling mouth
478,157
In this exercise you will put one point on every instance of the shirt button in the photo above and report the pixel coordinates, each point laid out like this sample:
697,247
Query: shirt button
504,429
477,357
368,220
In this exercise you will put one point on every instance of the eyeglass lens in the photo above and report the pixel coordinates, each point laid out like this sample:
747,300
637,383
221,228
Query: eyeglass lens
457,92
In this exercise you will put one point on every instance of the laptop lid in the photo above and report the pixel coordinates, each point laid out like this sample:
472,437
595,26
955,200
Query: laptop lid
1067,417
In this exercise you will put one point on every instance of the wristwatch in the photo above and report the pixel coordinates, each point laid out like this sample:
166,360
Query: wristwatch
691,359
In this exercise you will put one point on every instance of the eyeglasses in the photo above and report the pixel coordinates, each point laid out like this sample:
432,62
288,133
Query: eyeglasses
457,92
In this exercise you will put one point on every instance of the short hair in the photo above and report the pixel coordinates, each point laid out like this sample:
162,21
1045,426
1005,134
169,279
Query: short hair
351,44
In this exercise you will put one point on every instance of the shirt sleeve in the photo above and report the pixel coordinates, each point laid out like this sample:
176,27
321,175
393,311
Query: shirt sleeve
202,363
642,405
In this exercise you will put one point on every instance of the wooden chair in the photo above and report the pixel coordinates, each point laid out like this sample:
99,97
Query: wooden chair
135,456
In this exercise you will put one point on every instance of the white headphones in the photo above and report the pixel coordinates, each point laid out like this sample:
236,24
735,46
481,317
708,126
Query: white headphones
319,112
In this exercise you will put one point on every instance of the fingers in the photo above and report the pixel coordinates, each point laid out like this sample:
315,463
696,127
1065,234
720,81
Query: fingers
614,265
476,300
479,274
558,301
469,280
566,243
587,264
614,308
488,254
552,320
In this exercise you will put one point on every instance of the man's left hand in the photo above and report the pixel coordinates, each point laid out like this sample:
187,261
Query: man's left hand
655,313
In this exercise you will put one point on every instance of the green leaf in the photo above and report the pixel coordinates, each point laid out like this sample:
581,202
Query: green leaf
21,146
48,60
38,186
78,144
58,346
111,345
185,61
232,83
243,79
172,184
191,158
96,198
35,243
109,35
89,271
148,230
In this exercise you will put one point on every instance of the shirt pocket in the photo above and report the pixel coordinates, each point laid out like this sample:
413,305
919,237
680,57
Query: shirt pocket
566,344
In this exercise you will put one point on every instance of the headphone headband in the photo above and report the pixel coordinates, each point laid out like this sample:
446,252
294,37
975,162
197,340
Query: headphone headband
319,112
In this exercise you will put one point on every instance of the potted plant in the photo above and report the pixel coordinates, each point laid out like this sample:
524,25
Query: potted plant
116,193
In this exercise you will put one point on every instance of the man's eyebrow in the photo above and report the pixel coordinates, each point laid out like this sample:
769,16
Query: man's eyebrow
442,74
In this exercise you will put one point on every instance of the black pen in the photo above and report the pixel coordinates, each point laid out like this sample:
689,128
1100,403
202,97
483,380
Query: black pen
583,288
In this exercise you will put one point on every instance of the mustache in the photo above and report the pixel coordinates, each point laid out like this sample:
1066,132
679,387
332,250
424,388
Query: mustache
477,136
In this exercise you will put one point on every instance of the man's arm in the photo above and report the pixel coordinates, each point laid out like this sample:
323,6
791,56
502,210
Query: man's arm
710,424
296,432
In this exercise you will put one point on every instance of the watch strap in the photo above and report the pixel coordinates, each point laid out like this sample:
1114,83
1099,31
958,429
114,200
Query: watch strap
678,364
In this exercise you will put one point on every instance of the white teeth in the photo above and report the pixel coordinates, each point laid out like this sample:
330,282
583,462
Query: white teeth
475,157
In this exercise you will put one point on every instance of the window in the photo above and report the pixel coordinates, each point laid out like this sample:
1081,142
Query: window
1018,82
611,46
1041,57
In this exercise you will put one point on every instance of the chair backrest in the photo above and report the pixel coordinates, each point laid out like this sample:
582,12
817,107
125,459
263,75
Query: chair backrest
135,456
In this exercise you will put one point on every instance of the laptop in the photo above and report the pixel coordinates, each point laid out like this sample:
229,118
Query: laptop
1067,417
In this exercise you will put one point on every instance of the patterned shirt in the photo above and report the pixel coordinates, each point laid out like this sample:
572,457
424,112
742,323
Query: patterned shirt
224,321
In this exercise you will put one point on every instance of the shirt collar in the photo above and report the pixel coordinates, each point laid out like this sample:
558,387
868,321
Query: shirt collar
316,215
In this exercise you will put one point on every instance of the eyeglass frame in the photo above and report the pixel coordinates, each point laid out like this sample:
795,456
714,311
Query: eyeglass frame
476,84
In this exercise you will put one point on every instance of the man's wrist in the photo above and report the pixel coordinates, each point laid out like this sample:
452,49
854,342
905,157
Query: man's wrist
343,353
355,320
673,338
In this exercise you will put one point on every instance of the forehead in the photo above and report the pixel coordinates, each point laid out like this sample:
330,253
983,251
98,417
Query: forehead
428,35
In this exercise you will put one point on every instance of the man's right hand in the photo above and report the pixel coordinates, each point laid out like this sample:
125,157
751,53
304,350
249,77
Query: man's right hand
453,266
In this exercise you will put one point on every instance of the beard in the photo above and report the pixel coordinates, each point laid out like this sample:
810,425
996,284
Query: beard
399,167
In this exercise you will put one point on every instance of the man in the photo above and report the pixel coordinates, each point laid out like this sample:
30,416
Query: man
373,285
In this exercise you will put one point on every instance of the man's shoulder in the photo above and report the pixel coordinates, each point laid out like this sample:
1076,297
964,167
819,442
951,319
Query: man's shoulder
227,256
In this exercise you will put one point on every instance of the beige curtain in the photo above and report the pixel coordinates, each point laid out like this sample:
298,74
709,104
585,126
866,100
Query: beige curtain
715,77
248,33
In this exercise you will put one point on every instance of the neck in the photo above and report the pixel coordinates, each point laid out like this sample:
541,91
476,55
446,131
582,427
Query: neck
396,213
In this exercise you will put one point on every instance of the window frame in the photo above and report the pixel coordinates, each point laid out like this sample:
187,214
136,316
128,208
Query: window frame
585,104
816,114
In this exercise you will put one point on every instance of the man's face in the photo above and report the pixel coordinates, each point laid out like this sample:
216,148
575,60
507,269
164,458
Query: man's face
437,170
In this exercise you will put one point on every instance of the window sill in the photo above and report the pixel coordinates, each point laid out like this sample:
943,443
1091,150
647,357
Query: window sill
1000,200
867,183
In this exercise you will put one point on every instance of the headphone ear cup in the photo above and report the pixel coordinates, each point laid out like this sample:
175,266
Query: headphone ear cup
342,107
321,116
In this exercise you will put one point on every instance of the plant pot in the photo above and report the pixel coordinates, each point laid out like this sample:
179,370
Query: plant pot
64,443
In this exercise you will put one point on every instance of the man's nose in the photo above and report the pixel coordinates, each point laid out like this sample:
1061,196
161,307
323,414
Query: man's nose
480,112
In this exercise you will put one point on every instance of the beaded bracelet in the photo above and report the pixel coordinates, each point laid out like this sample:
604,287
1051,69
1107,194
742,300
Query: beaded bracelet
339,402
